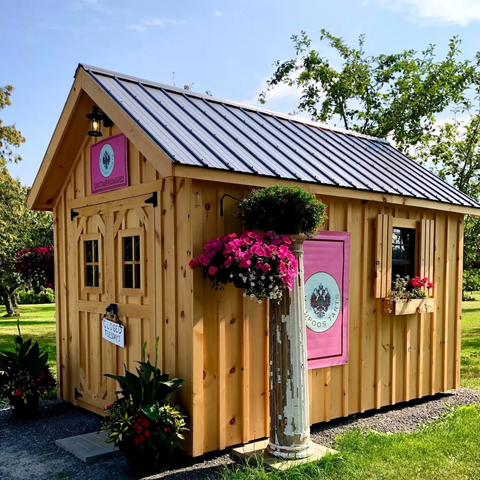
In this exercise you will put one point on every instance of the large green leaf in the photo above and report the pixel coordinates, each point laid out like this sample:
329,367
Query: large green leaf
151,410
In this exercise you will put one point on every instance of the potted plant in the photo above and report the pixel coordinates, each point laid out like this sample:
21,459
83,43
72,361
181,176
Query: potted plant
24,376
283,210
259,263
409,296
143,422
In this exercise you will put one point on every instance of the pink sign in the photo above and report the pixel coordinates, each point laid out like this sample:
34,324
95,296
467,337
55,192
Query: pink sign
108,164
326,261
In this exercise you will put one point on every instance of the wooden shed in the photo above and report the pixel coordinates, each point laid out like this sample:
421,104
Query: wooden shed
133,206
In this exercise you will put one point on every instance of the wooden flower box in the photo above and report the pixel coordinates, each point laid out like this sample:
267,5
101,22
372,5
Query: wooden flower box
408,307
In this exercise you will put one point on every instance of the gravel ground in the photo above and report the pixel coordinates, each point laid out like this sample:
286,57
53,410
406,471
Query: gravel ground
28,451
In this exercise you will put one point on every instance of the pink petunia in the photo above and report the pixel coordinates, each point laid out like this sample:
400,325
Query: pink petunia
212,270
266,267
228,262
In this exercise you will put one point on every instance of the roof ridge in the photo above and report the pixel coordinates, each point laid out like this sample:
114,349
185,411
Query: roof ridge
210,98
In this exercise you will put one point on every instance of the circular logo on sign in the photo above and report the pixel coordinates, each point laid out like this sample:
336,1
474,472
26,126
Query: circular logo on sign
323,302
106,160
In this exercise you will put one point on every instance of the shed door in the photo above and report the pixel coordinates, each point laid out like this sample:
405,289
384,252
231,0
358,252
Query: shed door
115,254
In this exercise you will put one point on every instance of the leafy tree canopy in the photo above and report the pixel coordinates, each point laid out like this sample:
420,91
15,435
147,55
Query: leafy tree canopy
9,135
387,95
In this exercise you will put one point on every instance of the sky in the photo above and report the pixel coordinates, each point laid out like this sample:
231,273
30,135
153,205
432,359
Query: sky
225,47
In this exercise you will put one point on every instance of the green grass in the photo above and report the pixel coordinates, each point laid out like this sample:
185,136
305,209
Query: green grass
36,322
470,361
445,449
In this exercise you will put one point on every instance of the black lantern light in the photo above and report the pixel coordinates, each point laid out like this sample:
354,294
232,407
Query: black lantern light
96,117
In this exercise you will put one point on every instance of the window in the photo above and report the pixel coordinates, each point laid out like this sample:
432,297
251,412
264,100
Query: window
403,247
92,264
403,252
131,262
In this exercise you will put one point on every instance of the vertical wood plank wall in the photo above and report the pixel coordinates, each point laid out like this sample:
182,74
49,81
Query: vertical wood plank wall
391,359
218,340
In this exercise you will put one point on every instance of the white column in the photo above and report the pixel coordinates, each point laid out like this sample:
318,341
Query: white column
289,402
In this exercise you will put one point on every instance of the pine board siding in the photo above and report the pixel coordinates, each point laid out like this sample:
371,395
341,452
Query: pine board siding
218,340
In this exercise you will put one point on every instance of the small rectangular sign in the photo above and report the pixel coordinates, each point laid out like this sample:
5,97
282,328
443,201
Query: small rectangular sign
113,332
108,164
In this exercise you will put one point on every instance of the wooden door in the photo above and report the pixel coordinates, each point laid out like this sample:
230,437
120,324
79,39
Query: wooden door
115,254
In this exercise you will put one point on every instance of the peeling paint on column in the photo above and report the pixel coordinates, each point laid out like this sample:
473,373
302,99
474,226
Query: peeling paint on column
289,401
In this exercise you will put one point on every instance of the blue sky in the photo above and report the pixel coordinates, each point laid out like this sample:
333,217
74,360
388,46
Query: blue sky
226,47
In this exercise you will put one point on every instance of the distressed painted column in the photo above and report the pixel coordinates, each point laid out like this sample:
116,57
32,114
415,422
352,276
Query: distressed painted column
289,402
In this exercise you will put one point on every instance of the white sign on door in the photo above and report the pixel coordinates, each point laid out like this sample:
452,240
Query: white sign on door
113,332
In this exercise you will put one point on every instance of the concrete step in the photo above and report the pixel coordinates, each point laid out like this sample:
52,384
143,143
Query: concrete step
89,447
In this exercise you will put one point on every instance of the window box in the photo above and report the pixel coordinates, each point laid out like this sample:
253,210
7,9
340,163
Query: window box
408,307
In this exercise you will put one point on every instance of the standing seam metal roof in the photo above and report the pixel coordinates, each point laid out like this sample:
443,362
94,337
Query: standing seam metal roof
203,131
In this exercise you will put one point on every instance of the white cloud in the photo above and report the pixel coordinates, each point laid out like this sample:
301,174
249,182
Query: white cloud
282,99
446,12
217,14
156,22
139,28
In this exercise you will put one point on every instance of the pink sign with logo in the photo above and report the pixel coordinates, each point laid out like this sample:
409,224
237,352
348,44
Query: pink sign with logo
108,164
326,261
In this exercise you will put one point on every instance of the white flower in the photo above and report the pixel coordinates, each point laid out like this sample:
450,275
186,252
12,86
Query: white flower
231,275
260,301
252,295
244,294
263,277
252,284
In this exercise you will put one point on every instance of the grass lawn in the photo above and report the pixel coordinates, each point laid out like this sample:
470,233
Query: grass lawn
448,448
36,322
470,366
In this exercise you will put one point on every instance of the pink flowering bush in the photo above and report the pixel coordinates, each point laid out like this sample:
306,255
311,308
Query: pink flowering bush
35,267
406,288
260,263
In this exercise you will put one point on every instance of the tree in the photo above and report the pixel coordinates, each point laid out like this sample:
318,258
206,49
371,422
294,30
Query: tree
453,150
19,227
9,135
386,95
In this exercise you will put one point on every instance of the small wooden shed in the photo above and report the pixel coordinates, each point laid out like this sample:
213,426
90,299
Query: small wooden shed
132,208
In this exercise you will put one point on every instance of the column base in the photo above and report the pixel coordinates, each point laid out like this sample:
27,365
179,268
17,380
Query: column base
295,452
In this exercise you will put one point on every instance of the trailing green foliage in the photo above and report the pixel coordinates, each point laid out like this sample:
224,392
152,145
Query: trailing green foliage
282,210
32,298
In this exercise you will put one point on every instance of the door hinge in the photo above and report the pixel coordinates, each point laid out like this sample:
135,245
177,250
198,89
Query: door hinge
77,394
153,199
73,214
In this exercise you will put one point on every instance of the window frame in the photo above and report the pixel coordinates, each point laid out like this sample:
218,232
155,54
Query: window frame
131,232
86,237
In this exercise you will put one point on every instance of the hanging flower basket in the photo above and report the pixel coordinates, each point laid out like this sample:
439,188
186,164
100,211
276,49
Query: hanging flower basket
259,263
283,210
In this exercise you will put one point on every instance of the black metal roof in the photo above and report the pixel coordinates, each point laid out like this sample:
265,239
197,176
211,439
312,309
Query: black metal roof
204,131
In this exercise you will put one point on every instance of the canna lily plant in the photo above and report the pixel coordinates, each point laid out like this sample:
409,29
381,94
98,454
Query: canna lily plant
143,421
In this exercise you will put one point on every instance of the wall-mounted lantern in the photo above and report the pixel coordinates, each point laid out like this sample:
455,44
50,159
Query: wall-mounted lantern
96,117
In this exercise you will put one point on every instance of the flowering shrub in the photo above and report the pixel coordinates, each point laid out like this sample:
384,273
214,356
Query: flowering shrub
406,288
143,420
35,267
282,209
132,431
260,263
24,373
